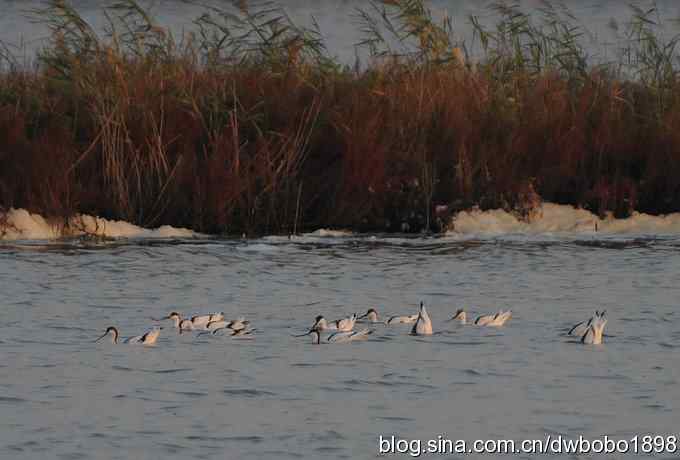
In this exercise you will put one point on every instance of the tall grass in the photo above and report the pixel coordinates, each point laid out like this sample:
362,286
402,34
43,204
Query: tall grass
248,125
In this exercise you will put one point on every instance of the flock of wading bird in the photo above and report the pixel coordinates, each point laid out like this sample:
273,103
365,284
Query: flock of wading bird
590,331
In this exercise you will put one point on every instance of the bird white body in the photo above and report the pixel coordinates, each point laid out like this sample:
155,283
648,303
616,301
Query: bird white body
320,324
186,325
460,316
346,324
341,325
238,324
341,337
215,325
148,338
595,332
405,319
484,320
423,325
500,318
581,328
497,320
371,316
235,325
201,320
217,316
348,336
197,322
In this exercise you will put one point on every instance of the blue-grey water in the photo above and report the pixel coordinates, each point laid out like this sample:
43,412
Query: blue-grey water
604,21
276,396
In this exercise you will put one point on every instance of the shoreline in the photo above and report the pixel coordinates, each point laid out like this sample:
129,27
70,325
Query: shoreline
549,219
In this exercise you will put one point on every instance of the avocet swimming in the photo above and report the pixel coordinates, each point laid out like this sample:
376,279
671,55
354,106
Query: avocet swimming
403,319
197,322
483,320
148,338
341,325
235,325
423,325
580,328
595,332
341,337
497,320
371,316
500,318
460,316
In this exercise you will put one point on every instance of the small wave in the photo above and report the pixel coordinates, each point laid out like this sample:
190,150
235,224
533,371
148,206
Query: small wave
303,365
393,419
11,400
192,394
22,225
380,383
171,448
252,438
122,368
172,371
329,436
471,343
473,372
247,392
279,454
258,247
655,406
558,219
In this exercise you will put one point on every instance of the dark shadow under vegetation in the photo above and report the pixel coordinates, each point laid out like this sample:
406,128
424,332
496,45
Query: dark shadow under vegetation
248,126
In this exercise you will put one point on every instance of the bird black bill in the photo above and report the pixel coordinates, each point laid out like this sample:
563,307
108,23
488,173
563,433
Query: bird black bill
305,334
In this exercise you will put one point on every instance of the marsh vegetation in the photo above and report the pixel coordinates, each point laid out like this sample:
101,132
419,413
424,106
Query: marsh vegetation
247,124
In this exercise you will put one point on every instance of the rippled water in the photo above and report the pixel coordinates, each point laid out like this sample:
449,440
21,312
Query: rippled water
61,396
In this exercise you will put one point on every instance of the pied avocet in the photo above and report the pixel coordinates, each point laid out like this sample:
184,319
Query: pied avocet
341,337
580,328
148,338
371,316
234,325
594,333
423,324
460,316
403,319
500,318
341,325
497,320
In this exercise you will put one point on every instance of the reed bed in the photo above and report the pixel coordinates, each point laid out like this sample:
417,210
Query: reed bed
247,125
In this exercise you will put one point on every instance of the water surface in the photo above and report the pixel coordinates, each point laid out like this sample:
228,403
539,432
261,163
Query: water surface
61,396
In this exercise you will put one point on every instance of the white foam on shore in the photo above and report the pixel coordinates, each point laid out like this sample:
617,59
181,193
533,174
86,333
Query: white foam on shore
550,219
329,233
22,225
553,218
